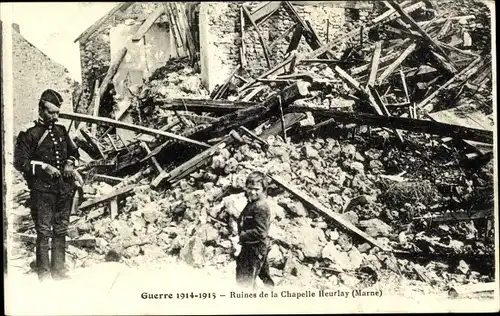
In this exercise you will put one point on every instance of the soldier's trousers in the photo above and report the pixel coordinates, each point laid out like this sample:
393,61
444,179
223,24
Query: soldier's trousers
50,213
252,262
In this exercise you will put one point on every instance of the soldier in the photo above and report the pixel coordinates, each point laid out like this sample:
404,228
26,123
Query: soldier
253,228
46,156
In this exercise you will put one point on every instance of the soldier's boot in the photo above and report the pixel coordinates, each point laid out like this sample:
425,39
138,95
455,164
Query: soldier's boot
58,268
42,258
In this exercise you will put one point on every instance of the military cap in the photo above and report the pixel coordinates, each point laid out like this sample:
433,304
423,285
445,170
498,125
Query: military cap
53,97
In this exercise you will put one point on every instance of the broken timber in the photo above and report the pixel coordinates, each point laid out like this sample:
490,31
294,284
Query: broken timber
148,23
88,32
326,212
107,197
111,73
396,63
202,105
424,34
128,126
264,45
375,64
414,125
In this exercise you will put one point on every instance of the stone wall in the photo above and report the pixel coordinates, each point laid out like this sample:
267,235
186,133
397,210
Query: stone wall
34,72
95,53
220,35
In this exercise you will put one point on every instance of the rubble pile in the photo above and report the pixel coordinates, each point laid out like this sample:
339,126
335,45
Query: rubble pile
422,202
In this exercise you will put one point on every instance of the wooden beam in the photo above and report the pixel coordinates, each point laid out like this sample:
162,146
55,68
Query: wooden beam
360,69
202,105
294,42
264,11
405,87
335,217
111,73
262,42
413,125
146,25
113,208
97,94
397,63
94,27
128,126
456,216
422,105
375,63
386,112
290,120
469,289
389,12
107,197
282,36
243,60
417,27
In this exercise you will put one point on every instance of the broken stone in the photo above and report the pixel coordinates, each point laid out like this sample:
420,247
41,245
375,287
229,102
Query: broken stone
364,247
352,217
356,258
227,244
234,204
345,242
73,232
310,153
340,259
375,227
207,233
275,257
297,208
355,166
462,267
402,238
348,280
150,212
193,252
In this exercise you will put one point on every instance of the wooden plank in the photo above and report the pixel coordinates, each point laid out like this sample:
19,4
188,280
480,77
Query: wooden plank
202,105
405,16
423,104
360,69
262,42
156,164
294,42
413,125
290,120
128,126
397,63
146,25
224,87
337,218
470,289
252,94
107,197
94,27
282,36
387,13
405,87
111,73
375,63
353,82
198,119
93,128
444,29
456,216
260,14
386,112
243,61
113,208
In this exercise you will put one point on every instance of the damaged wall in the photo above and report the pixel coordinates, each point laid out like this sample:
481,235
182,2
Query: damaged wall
33,73
97,50
220,34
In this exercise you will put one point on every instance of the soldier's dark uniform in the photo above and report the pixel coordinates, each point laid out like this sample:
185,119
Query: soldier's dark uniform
253,228
37,144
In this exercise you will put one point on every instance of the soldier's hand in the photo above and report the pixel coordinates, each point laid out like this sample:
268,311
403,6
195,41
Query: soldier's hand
68,171
52,171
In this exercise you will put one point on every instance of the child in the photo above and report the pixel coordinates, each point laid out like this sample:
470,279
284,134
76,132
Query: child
253,228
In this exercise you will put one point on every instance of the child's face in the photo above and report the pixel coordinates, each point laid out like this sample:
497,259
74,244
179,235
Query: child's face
254,191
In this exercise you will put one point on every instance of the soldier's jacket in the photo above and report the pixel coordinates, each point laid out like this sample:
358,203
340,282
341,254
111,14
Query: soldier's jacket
254,222
55,148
